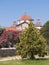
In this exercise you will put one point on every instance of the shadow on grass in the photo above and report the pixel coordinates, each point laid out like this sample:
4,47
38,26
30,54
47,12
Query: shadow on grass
35,59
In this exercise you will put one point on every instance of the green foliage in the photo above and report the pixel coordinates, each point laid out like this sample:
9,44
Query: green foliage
31,43
41,46
13,38
1,30
45,31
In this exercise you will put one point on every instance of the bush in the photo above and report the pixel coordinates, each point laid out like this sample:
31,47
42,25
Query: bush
31,43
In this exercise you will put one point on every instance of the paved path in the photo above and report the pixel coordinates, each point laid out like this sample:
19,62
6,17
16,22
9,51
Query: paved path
19,57
10,58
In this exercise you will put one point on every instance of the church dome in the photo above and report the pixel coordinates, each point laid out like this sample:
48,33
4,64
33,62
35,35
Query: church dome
25,17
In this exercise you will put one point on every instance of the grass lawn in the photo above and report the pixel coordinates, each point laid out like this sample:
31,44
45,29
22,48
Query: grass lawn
25,62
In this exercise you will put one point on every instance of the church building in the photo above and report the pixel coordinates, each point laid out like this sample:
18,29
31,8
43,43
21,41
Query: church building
25,19
23,23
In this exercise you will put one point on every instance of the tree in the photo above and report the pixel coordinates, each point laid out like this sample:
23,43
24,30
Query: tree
1,30
9,38
31,43
45,31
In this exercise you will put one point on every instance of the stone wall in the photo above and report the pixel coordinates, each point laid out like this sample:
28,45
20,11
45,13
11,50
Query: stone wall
7,52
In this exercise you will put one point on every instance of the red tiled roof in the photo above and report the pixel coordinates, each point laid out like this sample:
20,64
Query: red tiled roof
25,17
11,28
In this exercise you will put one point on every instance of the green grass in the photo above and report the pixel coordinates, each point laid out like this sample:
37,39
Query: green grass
25,62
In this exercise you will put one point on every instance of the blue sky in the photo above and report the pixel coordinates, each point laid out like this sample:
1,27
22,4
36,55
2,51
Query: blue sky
11,10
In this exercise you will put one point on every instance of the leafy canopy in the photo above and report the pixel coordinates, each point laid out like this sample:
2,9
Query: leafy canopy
31,43
45,31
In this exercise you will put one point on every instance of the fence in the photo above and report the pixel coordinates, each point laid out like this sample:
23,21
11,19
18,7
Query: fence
4,52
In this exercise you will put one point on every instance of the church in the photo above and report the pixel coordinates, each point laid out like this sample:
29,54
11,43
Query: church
23,23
